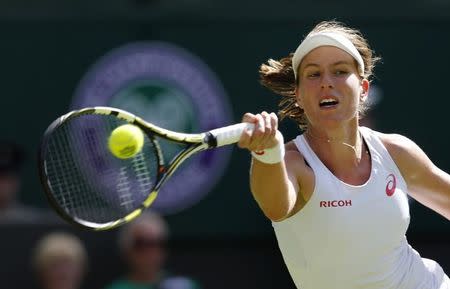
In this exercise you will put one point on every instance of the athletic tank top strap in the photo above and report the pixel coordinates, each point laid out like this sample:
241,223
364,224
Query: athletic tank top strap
308,154
380,154
320,170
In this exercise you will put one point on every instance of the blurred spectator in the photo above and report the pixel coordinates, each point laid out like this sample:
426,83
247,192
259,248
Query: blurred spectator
12,157
59,261
142,244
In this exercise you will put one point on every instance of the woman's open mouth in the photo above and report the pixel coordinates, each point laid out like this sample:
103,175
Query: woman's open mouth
328,103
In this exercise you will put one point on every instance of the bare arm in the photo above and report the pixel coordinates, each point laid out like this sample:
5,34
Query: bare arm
273,187
426,182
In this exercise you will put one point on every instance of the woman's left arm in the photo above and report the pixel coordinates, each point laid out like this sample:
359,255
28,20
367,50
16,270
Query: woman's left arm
426,182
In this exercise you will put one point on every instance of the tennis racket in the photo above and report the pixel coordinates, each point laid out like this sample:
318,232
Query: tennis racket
90,187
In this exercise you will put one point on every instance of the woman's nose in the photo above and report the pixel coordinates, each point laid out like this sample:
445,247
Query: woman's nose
327,81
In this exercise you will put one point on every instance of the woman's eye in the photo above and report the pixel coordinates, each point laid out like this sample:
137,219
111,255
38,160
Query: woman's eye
341,72
313,74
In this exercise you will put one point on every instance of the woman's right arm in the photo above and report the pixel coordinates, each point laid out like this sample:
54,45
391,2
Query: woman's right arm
273,185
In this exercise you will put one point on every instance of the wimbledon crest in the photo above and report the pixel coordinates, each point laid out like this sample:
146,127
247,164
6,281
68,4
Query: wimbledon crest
174,89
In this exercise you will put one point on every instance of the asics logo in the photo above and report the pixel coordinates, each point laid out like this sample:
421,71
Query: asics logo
391,184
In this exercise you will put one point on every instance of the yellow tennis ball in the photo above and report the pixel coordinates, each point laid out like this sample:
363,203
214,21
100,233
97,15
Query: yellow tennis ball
126,141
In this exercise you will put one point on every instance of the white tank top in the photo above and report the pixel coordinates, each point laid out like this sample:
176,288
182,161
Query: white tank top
351,236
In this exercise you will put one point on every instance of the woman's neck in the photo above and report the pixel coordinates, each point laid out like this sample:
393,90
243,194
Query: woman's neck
342,151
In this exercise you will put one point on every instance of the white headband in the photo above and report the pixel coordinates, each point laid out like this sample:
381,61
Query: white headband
325,39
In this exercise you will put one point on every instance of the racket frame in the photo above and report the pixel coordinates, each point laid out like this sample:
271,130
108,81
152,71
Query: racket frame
194,142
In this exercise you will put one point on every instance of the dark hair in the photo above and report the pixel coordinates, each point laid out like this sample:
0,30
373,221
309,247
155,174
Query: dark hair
278,75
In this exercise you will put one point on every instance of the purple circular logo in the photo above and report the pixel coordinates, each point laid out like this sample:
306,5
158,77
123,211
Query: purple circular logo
170,87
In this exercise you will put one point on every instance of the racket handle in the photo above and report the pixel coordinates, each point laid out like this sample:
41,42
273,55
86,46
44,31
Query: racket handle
230,134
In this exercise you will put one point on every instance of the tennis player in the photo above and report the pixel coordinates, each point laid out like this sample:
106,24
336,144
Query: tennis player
337,194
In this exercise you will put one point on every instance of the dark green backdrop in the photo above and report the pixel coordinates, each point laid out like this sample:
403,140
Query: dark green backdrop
42,62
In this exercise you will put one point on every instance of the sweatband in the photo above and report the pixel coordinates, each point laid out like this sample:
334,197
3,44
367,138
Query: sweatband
272,155
325,39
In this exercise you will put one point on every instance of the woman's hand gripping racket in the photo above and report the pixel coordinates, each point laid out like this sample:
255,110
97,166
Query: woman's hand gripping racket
89,186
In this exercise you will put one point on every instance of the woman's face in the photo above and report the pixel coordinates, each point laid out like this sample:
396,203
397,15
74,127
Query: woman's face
330,89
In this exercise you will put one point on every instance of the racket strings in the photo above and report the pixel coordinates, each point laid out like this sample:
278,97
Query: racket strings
124,193
69,192
61,176
142,172
86,180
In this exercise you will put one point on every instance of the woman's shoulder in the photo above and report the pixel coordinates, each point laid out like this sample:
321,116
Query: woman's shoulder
402,149
291,146
297,166
292,152
395,143
394,140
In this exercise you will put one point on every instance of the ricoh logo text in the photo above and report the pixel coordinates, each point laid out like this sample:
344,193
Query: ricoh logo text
335,203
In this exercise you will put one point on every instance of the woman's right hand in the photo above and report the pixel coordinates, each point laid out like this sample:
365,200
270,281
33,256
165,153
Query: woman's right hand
263,136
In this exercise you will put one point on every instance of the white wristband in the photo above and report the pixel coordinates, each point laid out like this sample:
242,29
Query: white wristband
271,155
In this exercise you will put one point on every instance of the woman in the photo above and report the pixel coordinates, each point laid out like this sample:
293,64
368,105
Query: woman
337,194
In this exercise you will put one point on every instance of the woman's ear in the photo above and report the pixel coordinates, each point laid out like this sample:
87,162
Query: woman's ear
365,85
